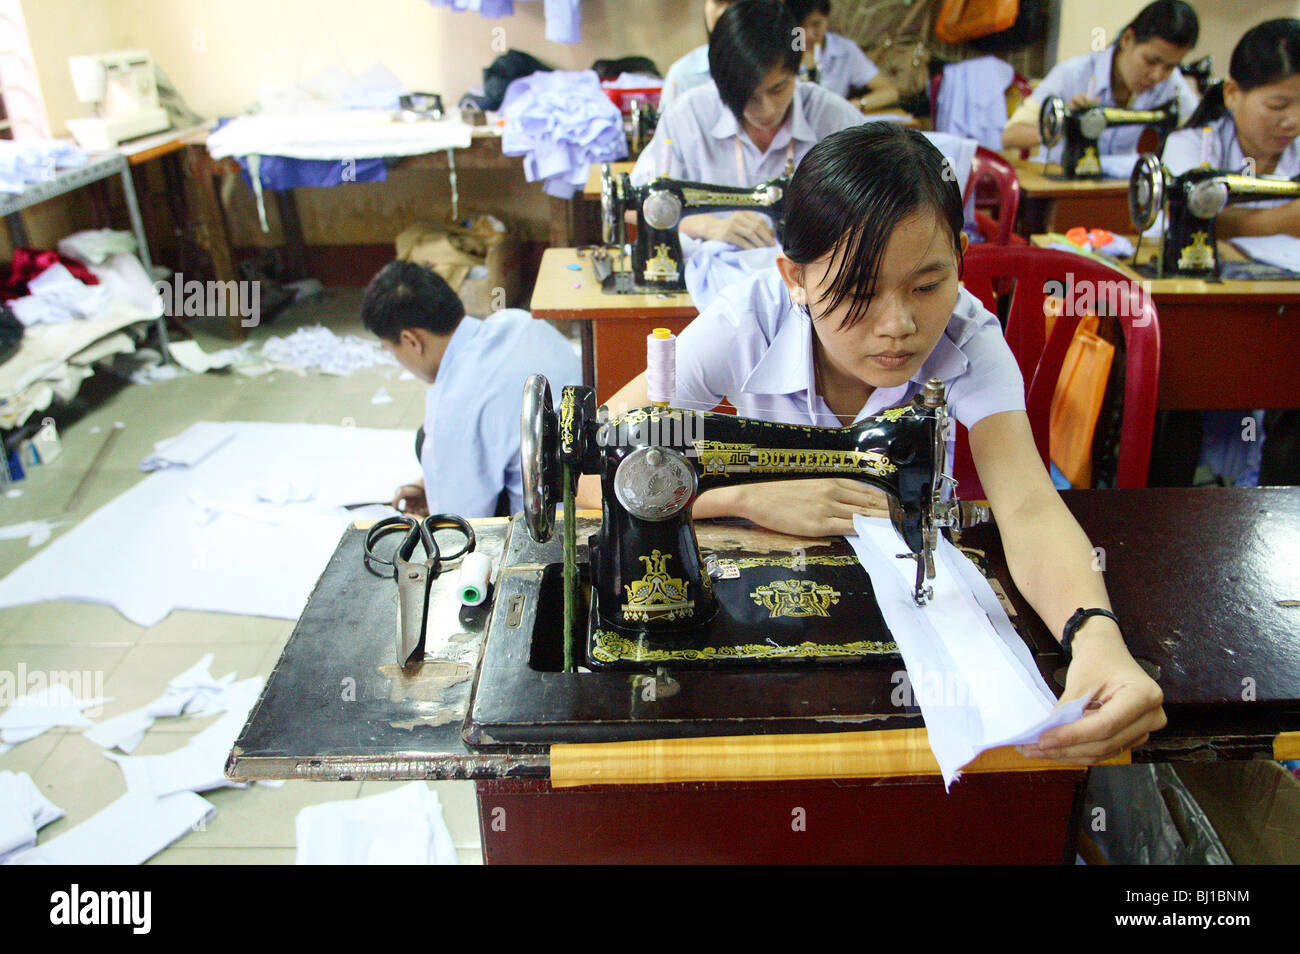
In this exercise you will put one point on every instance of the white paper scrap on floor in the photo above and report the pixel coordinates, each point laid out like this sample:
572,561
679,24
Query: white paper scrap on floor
152,549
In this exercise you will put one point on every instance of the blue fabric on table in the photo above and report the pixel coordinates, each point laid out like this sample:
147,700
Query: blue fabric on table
284,172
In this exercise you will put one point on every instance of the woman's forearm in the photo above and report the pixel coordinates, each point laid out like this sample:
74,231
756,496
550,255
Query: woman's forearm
1020,136
878,99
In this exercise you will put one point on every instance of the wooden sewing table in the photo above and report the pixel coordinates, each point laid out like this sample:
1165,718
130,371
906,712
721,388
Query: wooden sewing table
1049,203
1201,578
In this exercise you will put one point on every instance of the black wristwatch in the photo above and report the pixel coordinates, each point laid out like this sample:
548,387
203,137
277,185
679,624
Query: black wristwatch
1075,621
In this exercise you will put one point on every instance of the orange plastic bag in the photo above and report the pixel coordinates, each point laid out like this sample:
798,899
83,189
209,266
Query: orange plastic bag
1076,404
962,20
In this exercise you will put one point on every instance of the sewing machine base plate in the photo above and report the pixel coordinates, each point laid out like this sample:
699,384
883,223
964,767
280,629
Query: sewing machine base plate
621,283
523,698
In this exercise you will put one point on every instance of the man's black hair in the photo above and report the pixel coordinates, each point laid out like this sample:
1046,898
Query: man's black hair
803,9
850,192
750,39
1173,21
409,295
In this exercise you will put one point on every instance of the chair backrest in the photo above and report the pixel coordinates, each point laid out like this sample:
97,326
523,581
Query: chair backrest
1086,285
989,167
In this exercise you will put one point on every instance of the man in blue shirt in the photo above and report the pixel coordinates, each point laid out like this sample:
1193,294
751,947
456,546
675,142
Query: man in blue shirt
476,369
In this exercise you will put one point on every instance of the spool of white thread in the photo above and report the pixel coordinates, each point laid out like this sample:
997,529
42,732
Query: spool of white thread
661,366
475,575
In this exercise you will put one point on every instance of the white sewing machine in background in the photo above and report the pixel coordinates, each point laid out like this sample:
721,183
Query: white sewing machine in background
122,88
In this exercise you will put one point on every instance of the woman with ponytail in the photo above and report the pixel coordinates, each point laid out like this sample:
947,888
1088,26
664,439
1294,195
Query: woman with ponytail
1250,122
1138,71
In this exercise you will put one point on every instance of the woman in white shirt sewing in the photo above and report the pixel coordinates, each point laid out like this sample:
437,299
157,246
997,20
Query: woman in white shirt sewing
1138,71
863,307
1249,122
747,126
836,62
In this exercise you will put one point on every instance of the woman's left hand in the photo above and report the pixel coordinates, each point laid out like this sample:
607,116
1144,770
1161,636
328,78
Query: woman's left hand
1126,704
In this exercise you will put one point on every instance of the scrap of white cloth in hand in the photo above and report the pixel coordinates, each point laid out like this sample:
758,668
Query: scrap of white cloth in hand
36,712
188,449
193,691
23,811
200,764
401,827
36,531
128,832
967,668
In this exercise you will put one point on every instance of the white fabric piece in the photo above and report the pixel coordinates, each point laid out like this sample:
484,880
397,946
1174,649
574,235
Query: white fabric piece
128,832
972,676
319,349
38,310
23,811
58,285
337,134
191,357
183,692
36,712
93,246
37,532
144,554
401,827
128,284
199,765
1280,251
188,449
381,397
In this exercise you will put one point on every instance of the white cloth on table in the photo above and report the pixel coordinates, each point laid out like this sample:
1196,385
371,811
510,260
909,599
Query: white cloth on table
336,134
972,100
561,122
27,162
401,827
1281,251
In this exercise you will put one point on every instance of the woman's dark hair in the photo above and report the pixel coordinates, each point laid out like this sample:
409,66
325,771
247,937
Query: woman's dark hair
409,295
1170,20
852,190
750,39
1266,54
803,9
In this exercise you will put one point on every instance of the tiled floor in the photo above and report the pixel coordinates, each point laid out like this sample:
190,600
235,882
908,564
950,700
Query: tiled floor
254,825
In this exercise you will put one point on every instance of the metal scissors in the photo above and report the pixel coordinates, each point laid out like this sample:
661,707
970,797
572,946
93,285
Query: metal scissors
413,577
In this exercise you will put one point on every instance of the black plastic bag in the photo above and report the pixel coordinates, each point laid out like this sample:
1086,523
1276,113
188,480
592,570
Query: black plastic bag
505,69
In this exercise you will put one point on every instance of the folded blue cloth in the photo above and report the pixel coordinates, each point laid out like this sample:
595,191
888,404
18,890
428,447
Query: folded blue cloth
712,266
561,122
28,161
285,172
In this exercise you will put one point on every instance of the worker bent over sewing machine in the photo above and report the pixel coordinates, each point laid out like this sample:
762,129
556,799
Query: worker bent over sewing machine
1082,126
654,597
1192,202
660,206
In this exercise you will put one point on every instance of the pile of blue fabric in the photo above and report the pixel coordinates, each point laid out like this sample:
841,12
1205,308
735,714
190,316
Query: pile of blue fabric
27,161
561,122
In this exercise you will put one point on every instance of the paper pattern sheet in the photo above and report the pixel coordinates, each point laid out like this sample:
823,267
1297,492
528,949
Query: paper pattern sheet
969,671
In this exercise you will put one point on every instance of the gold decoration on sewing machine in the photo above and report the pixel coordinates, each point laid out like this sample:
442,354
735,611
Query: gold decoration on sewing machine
1197,255
661,268
894,414
748,200
566,421
610,647
792,561
719,457
796,598
657,595
1088,163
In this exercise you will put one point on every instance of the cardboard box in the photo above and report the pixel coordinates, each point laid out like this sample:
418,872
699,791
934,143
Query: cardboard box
452,250
1254,806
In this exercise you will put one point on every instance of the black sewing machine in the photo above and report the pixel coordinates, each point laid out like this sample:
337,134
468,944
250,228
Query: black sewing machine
642,120
1193,200
660,206
1082,126
654,598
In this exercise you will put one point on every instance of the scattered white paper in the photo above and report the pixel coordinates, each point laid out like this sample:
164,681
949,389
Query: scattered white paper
283,492
194,691
401,827
13,493
382,397
23,811
191,357
319,349
128,832
37,532
1280,251
968,670
36,712
406,376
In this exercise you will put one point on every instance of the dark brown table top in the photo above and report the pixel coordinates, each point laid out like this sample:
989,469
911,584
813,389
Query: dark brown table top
1206,582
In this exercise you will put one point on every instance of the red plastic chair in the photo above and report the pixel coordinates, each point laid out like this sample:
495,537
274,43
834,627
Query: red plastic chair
1026,272
996,187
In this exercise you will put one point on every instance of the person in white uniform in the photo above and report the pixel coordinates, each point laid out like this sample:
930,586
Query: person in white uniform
692,69
836,62
476,369
1138,71
1250,123
748,124
863,307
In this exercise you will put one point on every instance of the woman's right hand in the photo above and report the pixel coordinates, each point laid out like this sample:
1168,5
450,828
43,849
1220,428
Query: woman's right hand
745,229
410,498
810,508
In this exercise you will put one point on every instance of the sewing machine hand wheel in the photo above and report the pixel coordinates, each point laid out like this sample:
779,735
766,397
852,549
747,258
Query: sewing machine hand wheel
1146,191
539,449
610,208
1051,120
